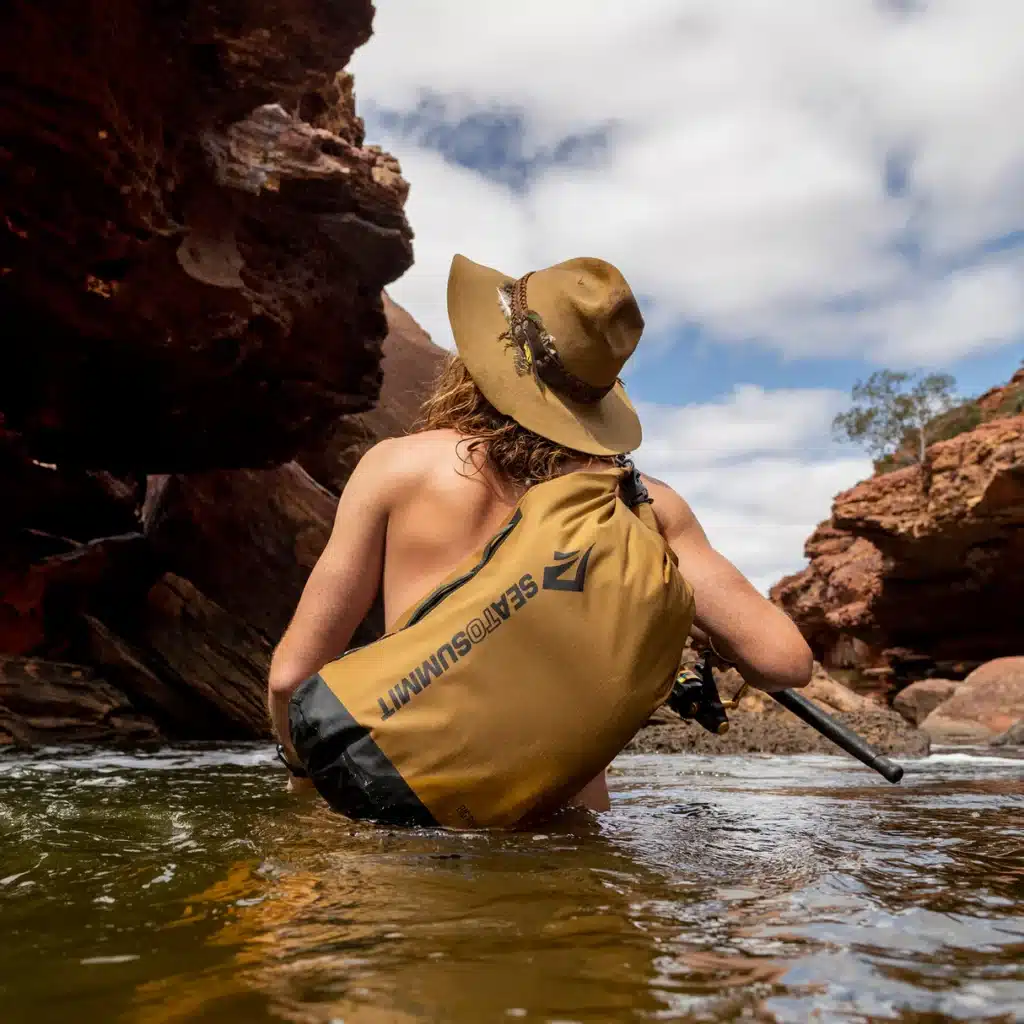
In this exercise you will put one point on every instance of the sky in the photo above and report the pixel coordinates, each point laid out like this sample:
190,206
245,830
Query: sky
798,193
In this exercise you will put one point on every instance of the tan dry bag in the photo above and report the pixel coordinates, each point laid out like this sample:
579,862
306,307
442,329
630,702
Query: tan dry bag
518,679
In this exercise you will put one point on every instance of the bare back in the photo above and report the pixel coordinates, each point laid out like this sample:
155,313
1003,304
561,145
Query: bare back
447,506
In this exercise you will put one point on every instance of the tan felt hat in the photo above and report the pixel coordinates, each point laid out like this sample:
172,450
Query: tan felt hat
547,349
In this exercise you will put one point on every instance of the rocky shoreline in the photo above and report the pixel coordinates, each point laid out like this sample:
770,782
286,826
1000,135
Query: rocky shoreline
759,725
780,733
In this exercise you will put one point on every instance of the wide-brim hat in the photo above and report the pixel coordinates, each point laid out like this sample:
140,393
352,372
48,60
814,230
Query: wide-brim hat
546,349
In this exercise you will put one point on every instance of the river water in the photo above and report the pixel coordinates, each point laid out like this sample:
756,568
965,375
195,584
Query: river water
186,885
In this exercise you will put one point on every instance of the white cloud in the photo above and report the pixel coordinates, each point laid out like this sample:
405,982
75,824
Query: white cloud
744,185
743,190
453,209
755,470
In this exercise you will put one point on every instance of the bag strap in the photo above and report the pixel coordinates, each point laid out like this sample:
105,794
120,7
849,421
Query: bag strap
638,499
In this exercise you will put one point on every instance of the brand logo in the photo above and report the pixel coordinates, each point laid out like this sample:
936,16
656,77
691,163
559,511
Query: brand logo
555,575
461,644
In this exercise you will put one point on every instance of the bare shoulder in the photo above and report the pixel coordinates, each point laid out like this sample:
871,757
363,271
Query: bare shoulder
409,458
674,515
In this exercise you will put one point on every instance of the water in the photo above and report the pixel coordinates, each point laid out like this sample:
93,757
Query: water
188,886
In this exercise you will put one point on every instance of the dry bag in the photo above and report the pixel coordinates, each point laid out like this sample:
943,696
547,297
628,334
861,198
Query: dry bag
516,680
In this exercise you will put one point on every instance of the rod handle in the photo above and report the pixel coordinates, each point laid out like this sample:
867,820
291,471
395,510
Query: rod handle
838,734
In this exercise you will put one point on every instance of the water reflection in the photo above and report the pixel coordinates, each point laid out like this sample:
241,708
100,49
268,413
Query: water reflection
189,887
353,919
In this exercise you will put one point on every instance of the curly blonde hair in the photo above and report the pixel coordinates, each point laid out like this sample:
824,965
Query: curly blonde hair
516,454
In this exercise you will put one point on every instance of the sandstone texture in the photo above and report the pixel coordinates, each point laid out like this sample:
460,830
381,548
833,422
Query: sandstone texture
920,572
44,703
194,245
780,733
920,699
194,236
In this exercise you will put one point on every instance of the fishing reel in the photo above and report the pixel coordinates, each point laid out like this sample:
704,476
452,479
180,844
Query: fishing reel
695,697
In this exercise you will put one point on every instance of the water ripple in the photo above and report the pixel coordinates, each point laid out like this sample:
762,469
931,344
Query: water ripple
186,885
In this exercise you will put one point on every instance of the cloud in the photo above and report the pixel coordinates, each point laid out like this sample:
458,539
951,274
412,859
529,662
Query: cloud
837,179
453,209
754,469
820,178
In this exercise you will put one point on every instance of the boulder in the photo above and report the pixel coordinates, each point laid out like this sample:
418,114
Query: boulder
198,238
917,701
1013,737
205,652
45,703
761,725
411,362
828,693
181,712
245,538
40,601
988,703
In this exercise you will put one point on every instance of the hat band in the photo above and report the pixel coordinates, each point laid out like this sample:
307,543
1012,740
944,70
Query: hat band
528,330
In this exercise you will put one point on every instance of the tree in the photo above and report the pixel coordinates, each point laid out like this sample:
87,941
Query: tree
889,408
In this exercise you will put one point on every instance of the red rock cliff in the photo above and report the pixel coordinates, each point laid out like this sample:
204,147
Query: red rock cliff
194,240
921,571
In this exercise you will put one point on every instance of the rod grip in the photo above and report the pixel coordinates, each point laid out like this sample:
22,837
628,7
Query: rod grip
838,734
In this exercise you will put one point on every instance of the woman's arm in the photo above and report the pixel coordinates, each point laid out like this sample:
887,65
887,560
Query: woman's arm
339,591
745,627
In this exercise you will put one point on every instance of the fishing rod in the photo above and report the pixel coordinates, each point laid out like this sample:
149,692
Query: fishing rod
695,697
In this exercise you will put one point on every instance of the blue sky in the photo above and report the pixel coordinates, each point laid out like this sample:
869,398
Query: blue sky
798,194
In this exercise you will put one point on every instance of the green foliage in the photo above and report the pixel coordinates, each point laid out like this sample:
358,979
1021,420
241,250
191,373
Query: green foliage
957,421
889,407
890,463
1011,405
